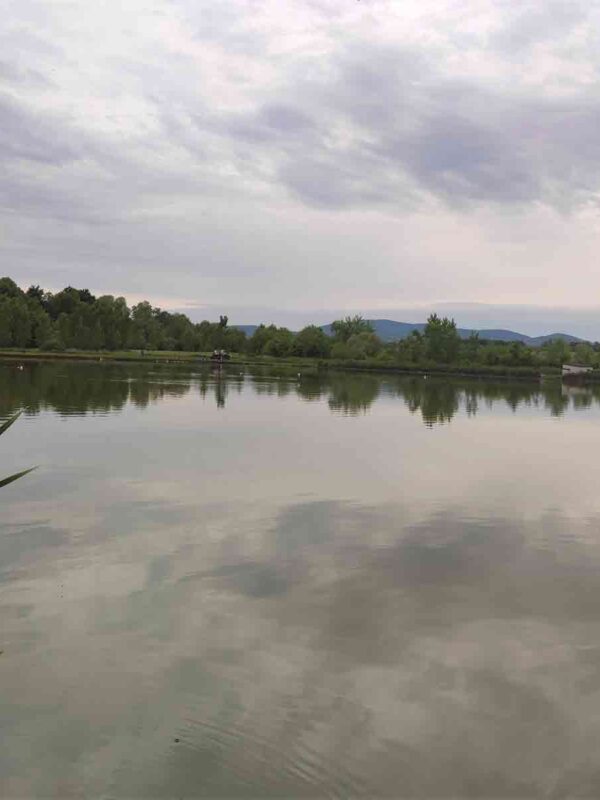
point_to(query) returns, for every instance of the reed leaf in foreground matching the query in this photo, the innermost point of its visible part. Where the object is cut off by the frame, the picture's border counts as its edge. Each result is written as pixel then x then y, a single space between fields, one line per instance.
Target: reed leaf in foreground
pixel 9 422
pixel 17 475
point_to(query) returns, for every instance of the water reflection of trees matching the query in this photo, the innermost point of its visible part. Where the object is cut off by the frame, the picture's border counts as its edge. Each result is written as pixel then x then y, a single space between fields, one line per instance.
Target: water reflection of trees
pixel 79 388
pixel 438 399
pixel 353 394
pixel 83 387
pixel 86 388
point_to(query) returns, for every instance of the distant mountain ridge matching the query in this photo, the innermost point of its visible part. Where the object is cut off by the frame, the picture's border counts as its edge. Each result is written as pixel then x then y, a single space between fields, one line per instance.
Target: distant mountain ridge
pixel 389 330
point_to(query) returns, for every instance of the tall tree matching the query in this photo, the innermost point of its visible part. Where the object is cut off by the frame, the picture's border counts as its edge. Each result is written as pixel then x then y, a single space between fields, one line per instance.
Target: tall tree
pixel 9 288
pixel 145 333
pixel 343 329
pixel 441 339
pixel 313 342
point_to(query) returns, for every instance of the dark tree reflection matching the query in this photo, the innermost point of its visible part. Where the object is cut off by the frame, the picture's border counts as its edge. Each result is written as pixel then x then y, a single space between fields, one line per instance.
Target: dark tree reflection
pixel 81 388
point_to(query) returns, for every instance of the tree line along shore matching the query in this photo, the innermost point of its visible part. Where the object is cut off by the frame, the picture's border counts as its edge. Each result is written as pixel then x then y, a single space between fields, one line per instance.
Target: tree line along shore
pixel 73 323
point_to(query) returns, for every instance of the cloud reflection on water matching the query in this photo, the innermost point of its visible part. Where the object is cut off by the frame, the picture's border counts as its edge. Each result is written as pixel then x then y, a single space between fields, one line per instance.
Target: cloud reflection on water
pixel 351 618
pixel 449 658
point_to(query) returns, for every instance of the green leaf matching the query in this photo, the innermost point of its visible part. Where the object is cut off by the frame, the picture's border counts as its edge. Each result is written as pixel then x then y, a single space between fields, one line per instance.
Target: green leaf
pixel 6 481
pixel 17 475
pixel 9 422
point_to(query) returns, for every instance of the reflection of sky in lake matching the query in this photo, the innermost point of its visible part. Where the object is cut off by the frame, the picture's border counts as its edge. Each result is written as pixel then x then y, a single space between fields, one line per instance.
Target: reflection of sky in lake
pixel 313 603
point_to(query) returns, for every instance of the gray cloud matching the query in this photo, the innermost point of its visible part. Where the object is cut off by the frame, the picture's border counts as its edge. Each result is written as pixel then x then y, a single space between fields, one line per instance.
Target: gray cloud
pixel 30 136
pixel 382 124
pixel 459 140
pixel 18 75
pixel 332 183
pixel 268 140
pixel 528 24
pixel 460 160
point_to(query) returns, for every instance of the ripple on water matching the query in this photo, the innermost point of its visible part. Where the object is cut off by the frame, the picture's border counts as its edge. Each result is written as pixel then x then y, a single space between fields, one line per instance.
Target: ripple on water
pixel 270 762
pixel 207 757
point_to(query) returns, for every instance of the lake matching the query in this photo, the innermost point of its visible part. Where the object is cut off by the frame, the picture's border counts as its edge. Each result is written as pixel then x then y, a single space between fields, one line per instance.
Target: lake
pixel 257 583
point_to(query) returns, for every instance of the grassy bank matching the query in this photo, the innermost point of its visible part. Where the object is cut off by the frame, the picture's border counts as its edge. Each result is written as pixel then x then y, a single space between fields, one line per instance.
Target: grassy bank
pixel 367 365
pixel 98 355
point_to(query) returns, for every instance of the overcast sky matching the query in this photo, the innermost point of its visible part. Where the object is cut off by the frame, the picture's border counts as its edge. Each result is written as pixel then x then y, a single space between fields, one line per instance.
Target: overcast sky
pixel 292 160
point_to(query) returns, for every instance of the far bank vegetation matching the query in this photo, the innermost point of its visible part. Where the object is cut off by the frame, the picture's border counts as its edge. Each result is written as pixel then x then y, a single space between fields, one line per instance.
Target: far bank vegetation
pixel 76 320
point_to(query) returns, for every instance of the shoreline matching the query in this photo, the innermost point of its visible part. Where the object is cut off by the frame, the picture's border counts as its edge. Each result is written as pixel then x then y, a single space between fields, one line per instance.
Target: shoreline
pixel 181 357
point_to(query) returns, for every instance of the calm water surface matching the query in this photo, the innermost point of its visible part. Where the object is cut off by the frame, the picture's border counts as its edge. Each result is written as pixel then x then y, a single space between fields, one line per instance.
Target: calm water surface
pixel 259 584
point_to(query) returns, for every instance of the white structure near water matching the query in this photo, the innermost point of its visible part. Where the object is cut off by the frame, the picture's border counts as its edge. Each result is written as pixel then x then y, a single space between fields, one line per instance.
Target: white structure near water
pixel 574 369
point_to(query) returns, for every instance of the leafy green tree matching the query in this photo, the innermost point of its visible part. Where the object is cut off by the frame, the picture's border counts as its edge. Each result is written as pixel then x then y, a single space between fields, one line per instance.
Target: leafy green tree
pixel 75 318
pixel 340 351
pixel 86 328
pixel 234 340
pixel 584 354
pixel 280 344
pixel 271 340
pixel 343 329
pixel 259 339
pixel 5 328
pixel 20 322
pixel 145 333
pixel 9 288
pixel 113 319
pixel 86 296
pixel 179 331
pixel 364 345
pixel 358 347
pixel 471 348
pixel 204 336
pixel 35 293
pixel 442 341
pixel 519 354
pixel 80 327
pixel 52 343
pixel 41 325
pixel 63 302
pixel 313 342
pixel 411 349
pixel 557 352
pixel 492 353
